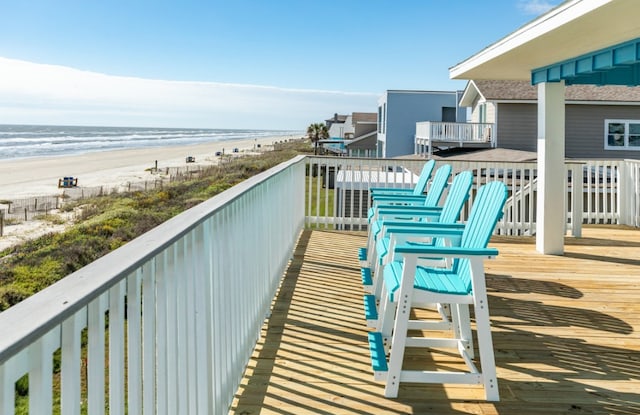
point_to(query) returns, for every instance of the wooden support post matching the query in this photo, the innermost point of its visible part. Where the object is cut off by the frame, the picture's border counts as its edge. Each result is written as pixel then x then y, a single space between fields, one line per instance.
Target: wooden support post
pixel 550 226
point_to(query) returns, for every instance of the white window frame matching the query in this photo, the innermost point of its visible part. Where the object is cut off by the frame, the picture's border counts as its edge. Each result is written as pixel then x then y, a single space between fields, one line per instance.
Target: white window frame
pixel 626 146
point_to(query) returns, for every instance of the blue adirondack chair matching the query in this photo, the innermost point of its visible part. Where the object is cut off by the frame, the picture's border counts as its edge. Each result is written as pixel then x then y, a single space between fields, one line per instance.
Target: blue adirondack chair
pixel 461 285
pixel 449 213
pixel 431 199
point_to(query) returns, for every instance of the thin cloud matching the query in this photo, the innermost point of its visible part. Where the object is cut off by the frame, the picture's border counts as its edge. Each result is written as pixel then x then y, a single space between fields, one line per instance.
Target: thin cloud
pixel 33 93
pixel 536 7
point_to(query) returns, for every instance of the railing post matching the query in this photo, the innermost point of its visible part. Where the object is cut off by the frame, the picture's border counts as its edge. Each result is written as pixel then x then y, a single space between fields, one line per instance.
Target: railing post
pixel 576 200
pixel 627 193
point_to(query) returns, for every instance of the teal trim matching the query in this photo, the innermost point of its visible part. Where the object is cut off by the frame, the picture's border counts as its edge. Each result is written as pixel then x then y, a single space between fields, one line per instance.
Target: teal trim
pixel 615 65
pixel 365 275
pixel 376 350
pixel 370 308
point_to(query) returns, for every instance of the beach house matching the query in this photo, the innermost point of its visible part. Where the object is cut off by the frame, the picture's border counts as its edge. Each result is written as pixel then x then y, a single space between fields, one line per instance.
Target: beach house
pixel 400 110
pixel 353 135
pixel 600 121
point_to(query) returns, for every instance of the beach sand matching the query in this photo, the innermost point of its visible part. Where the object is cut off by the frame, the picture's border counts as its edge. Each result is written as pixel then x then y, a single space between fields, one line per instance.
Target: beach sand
pixel 39 176
pixel 25 178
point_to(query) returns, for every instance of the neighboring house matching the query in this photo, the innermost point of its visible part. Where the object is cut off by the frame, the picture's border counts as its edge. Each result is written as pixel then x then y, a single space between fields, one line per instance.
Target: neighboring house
pixel 400 110
pixel 363 142
pixel 600 121
pixel 339 125
pixel 353 135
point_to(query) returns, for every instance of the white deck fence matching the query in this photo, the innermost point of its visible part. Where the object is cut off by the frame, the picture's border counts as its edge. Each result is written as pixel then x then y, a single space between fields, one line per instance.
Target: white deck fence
pixel 610 191
pixel 176 312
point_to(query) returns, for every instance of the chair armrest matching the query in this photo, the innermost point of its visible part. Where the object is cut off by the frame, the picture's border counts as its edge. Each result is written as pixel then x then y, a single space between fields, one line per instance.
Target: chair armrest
pixel 440 232
pixel 445 251
pixel 408 210
pixel 392 198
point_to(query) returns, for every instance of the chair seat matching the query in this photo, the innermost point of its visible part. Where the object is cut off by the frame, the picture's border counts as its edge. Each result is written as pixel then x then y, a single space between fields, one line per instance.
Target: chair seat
pixel 436 280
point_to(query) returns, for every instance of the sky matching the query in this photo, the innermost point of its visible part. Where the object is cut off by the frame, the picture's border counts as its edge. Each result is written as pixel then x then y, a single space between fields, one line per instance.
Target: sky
pixel 279 64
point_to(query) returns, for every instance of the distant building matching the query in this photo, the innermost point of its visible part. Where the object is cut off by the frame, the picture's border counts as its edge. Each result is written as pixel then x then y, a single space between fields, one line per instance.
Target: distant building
pixel 352 135
pixel 338 125
pixel 363 142
pixel 400 110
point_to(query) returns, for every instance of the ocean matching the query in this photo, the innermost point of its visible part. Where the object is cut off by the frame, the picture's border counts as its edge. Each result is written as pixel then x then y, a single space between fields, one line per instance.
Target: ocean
pixel 22 141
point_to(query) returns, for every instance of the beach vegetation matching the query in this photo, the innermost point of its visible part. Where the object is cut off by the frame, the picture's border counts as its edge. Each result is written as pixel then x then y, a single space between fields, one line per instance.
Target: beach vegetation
pixel 105 223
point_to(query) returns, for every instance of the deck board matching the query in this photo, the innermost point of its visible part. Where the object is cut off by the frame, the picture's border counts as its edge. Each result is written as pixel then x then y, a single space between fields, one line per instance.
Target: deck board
pixel 565 330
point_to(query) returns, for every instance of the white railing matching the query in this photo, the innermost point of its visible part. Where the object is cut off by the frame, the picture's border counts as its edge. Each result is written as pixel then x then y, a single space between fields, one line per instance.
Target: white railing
pixel 610 191
pixel 177 311
pixel 335 196
pixel 430 133
pixel 629 195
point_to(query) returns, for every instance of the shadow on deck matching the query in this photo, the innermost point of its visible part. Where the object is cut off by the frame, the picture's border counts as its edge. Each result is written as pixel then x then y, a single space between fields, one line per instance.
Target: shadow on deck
pixel 565 331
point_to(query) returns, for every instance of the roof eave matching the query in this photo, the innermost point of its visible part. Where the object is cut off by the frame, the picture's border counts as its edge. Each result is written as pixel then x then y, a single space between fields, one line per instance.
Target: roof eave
pixel 514 56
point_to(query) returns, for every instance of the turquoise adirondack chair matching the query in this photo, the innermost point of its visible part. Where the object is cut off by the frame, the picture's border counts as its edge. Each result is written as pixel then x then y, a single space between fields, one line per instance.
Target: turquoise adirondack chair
pixel 461 285
pixel 420 217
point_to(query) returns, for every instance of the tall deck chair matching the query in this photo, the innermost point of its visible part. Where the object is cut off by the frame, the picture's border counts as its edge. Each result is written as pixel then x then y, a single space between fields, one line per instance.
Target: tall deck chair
pixel 431 199
pixel 406 284
pixel 418 189
pixel 413 218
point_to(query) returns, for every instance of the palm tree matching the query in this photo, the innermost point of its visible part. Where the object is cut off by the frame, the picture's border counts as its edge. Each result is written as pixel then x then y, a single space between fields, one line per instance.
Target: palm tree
pixel 317 131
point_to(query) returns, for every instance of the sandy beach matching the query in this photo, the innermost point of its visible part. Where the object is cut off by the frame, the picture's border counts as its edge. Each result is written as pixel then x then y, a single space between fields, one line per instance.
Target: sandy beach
pixel 25 178
pixel 39 176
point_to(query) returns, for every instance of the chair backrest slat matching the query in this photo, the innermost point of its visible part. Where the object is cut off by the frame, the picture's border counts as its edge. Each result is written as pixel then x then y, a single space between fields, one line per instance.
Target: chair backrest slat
pixel 456 198
pixel 438 184
pixel 424 177
pixel 485 213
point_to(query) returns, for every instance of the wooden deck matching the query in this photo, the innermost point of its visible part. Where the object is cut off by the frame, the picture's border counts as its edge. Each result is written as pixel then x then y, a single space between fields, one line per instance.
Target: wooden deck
pixel 565 330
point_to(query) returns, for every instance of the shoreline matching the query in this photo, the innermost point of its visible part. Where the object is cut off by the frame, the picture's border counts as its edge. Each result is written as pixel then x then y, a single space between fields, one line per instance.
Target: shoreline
pixel 33 177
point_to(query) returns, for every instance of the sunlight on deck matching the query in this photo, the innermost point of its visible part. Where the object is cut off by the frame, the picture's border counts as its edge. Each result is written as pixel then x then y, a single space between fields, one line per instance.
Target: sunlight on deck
pixel 565 332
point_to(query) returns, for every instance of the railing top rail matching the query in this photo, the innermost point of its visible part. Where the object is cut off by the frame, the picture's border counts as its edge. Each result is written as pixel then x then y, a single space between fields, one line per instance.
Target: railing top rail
pixel 30 319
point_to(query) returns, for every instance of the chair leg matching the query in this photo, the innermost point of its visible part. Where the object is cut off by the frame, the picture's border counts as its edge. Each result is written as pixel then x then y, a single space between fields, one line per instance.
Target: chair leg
pixel 483 326
pixel 398 343
pixel 462 326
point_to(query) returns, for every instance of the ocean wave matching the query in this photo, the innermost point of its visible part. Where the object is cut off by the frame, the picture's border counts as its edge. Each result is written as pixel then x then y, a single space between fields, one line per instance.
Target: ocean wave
pixel 21 141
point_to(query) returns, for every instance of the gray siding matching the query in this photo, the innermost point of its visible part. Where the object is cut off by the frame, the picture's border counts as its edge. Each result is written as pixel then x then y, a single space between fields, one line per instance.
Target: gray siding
pixel 518 126
pixel 584 128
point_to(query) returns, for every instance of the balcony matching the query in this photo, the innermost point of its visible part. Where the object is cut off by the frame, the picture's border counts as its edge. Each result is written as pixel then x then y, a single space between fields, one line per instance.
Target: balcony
pixel 430 135
pixel 251 302
pixel 562 345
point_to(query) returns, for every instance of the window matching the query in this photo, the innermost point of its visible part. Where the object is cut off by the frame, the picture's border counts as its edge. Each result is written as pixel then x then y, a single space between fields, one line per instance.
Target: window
pixel 622 134
pixel 482 117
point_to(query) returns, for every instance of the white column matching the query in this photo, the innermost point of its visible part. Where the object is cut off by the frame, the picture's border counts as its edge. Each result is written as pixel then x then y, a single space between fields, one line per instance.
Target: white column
pixel 550 228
